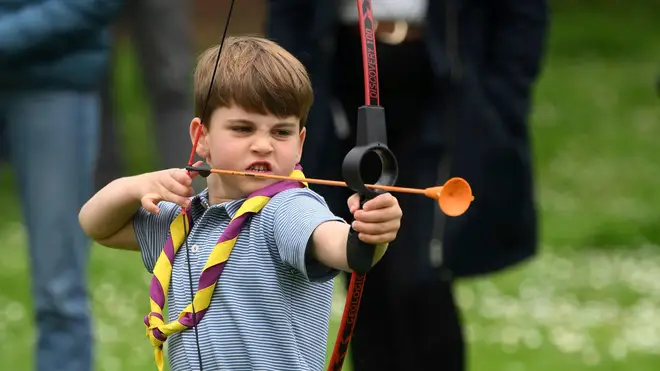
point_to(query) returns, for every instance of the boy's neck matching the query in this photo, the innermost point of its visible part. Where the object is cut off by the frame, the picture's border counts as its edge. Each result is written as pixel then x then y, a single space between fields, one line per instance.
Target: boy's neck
pixel 216 191
pixel 215 200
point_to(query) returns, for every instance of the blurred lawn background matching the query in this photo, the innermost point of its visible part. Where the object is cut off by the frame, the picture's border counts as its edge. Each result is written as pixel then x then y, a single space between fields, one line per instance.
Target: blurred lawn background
pixel 591 300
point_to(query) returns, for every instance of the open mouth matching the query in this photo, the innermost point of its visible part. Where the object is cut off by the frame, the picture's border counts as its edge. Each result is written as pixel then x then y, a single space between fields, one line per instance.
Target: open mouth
pixel 259 167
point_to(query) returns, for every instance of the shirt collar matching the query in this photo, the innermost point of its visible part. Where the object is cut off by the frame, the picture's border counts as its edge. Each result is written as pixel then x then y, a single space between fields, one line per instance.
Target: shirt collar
pixel 201 203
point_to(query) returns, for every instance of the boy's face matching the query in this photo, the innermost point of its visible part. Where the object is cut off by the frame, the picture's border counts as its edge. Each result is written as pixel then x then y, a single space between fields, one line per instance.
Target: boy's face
pixel 243 141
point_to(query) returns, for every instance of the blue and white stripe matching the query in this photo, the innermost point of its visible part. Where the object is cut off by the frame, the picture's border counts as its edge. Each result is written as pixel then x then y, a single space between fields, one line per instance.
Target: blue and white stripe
pixel 271 307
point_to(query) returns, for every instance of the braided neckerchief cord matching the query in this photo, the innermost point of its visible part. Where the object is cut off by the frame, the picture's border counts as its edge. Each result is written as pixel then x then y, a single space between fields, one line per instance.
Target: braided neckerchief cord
pixel 157 329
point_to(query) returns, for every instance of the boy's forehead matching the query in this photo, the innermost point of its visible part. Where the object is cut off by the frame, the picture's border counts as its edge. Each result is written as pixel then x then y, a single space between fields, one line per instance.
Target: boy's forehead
pixel 238 114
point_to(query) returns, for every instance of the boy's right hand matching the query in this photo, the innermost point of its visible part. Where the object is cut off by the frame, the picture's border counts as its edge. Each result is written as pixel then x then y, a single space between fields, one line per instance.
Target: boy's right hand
pixel 173 185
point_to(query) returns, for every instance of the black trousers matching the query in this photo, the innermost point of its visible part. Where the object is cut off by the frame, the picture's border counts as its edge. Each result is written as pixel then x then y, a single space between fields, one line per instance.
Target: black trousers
pixel 408 318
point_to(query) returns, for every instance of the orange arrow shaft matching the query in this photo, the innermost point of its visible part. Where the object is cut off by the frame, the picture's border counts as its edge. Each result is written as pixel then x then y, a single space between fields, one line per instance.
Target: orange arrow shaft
pixel 318 181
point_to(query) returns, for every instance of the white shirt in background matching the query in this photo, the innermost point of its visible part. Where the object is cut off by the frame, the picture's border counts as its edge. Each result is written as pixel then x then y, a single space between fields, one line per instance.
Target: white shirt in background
pixel 413 11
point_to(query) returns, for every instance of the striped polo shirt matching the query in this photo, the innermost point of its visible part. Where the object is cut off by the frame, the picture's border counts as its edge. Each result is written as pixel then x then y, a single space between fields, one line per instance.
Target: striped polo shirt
pixel 271 306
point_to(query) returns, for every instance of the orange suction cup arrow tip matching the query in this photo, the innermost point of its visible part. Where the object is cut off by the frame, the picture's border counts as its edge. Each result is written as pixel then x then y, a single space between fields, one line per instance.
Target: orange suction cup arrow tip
pixel 454 197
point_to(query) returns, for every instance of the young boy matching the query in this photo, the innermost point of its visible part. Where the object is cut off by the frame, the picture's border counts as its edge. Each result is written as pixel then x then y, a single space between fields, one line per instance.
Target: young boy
pixel 270 307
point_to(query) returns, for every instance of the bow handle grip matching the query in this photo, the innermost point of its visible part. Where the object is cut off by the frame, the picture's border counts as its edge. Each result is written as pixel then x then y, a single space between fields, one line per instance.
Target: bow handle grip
pixel 362 256
pixel 371 138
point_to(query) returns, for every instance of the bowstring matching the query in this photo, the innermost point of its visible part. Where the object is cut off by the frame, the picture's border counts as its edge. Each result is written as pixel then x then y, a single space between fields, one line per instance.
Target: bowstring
pixel 190 162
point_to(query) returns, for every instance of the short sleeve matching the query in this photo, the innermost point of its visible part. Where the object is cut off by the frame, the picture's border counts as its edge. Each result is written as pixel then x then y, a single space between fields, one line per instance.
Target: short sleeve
pixel 298 213
pixel 151 231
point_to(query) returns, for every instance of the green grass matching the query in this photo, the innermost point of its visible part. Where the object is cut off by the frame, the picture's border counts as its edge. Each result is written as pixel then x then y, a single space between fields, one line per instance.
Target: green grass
pixel 589 301
pixel 595 130
pixel 595 133
pixel 592 309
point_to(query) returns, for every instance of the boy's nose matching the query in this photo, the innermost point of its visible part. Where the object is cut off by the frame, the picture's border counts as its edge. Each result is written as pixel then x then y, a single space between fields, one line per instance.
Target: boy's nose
pixel 262 145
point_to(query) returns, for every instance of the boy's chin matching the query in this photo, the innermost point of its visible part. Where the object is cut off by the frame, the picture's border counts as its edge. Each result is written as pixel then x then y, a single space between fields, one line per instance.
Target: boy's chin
pixel 251 185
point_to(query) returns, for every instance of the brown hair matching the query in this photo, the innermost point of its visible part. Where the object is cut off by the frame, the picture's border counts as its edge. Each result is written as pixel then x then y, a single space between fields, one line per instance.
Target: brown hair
pixel 255 74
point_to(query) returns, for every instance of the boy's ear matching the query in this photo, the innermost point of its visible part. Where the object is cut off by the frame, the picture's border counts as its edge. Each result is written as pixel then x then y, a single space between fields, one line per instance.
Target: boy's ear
pixel 202 147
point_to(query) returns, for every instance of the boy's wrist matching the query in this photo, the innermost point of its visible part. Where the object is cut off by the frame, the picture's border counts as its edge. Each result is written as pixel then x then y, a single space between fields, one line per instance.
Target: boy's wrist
pixel 136 186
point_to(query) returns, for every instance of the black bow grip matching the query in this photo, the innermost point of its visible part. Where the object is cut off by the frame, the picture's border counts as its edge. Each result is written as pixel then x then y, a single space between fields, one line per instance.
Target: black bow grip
pixel 371 138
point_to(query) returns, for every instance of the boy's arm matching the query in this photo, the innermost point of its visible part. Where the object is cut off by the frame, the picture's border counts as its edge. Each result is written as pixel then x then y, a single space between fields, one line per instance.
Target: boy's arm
pixel 135 213
pixel 360 246
pixel 329 246
pixel 59 22
pixel 107 217
pixel 312 239
pixel 115 218
pixel 297 215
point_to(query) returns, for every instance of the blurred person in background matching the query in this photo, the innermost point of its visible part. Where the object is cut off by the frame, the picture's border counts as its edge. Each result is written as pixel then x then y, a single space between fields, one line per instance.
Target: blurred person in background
pixel 162 36
pixel 456 80
pixel 52 55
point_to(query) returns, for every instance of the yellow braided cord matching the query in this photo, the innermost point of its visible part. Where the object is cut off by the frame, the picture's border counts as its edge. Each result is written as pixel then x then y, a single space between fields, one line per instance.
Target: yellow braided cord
pixel 157 329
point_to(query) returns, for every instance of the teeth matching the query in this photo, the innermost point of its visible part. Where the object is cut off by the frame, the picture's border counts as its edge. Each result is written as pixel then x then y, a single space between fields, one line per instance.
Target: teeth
pixel 260 168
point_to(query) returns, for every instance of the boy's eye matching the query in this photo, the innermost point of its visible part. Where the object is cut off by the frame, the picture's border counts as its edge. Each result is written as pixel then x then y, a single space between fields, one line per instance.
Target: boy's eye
pixel 242 129
pixel 283 132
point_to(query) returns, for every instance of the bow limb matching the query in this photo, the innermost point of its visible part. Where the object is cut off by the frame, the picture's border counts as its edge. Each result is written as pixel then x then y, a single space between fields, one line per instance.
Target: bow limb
pixel 371 137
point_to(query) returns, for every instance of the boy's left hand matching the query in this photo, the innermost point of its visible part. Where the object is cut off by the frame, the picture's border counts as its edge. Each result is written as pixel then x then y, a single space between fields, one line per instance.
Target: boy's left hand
pixel 379 219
